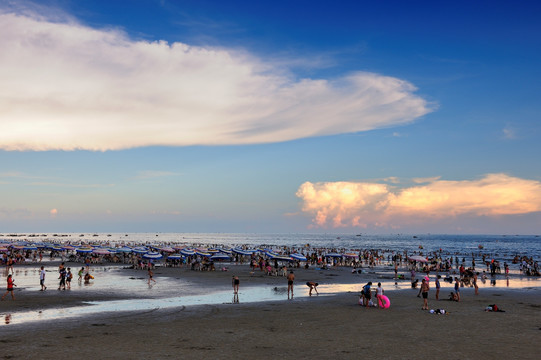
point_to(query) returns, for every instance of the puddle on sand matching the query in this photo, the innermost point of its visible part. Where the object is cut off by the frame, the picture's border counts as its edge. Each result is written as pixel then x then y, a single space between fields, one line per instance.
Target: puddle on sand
pixel 246 295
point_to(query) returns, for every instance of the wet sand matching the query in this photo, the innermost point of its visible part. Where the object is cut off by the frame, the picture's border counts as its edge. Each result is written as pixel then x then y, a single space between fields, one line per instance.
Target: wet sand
pixel 317 327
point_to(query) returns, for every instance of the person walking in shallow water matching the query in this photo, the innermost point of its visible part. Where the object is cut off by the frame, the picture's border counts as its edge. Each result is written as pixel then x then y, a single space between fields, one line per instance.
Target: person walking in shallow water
pixel 10 286
pixel 290 279
pixel 150 275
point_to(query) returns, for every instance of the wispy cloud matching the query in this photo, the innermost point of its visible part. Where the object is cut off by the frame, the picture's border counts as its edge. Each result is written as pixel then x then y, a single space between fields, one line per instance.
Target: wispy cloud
pixel 66 86
pixel 357 204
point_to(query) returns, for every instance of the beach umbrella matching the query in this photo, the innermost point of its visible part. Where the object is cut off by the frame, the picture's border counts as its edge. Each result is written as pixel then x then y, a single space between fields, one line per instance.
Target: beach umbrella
pixel 30 247
pixel 336 255
pixel 220 257
pixel 299 257
pixel 226 251
pixel 202 253
pixel 167 249
pixel 242 252
pixel 187 252
pixel 152 255
pixel 417 258
pixel 84 250
pixel 175 257
pixel 101 251
pixel 351 255
pixel 140 250
pixel 275 256
pixel 125 249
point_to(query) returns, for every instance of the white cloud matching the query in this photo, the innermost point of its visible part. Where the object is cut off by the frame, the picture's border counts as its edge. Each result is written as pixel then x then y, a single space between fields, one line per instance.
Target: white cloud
pixel 68 86
pixel 357 204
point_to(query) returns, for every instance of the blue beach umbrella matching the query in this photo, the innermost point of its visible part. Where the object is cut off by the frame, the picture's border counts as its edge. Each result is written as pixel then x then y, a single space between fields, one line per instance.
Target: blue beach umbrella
pixel 152 256
pixel 140 250
pixel 220 257
pixel 298 257
pixel 336 255
pixel 187 252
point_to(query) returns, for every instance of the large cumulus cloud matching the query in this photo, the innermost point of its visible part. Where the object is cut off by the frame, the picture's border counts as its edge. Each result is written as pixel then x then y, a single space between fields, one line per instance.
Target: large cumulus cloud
pixel 69 86
pixel 364 204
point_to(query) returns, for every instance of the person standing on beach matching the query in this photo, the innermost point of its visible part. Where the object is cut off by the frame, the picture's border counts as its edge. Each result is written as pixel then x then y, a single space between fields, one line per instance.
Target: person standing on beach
pixel 367 293
pixel 438 287
pixel 424 291
pixel 236 283
pixel 379 295
pixel 62 277
pixel 42 279
pixel 10 286
pixel 69 276
pixel 457 289
pixel 290 279
pixel 475 283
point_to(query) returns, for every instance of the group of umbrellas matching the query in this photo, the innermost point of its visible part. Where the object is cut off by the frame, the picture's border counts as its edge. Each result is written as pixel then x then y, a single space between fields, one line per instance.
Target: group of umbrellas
pixel 157 252
pixel 152 252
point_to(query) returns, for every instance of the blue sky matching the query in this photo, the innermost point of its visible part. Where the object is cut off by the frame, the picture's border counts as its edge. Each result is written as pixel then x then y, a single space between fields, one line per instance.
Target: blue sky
pixel 283 116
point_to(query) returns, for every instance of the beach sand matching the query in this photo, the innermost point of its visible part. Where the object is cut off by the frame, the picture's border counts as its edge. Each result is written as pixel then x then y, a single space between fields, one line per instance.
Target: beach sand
pixel 317 327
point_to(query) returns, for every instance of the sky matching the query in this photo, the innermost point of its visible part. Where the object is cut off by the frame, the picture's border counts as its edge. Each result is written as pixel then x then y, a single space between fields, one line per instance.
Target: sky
pixel 371 117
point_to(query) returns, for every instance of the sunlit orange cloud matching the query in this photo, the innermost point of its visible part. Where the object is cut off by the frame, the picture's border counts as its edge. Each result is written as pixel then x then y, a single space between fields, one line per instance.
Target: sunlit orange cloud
pixel 363 204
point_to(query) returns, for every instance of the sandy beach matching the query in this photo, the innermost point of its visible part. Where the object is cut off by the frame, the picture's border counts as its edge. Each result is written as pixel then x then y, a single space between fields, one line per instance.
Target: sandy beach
pixel 329 325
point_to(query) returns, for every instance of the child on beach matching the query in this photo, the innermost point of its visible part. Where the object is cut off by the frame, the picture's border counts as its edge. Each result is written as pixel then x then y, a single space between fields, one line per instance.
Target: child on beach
pixel 69 276
pixel 80 273
pixel 379 294
pixel 10 286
